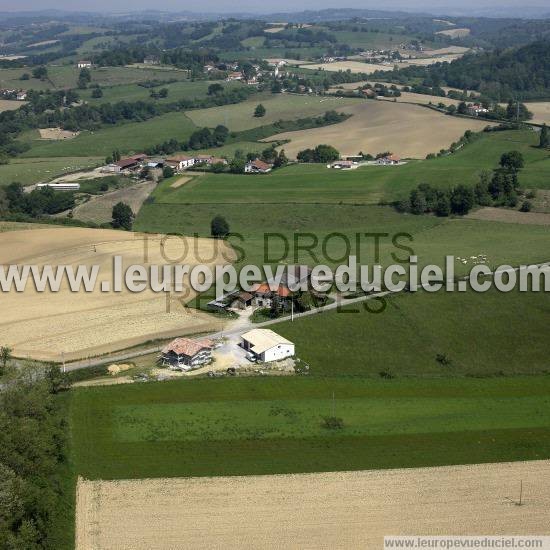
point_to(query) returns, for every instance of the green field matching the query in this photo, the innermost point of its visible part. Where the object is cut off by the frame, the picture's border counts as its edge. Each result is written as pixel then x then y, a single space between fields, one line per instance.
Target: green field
pixel 183 89
pixel 32 170
pixel 371 184
pixel 129 137
pixel 273 425
pixel 240 116
pixel 481 334
pixel 66 76
pixel 309 198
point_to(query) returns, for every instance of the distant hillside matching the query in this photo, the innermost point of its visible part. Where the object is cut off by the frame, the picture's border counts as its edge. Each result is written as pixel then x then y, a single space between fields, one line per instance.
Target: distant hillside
pixel 522 73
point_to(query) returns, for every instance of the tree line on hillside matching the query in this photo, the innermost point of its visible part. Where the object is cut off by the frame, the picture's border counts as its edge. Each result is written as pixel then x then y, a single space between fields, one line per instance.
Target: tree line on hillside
pixel 497 189
pixel 522 72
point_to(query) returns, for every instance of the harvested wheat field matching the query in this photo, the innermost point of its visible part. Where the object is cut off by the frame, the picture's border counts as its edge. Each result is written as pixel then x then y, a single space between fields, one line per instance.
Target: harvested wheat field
pixel 56 134
pixel 99 209
pixel 353 66
pixel 328 510
pixel 541 111
pixel 74 325
pixel 455 33
pixel 422 99
pixel 10 104
pixel 409 131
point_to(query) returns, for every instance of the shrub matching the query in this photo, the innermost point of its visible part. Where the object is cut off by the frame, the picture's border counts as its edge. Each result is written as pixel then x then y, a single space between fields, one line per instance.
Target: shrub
pixel 333 423
pixel 526 206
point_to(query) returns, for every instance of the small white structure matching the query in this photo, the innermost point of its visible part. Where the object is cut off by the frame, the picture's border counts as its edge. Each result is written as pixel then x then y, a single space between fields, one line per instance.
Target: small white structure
pixel 267 345
pixel 60 186
pixel 84 64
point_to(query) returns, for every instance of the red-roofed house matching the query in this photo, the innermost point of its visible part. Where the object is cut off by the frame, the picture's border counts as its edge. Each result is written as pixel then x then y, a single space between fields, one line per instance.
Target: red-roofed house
pixel 187 354
pixel 389 160
pixel 127 163
pixel 257 167
pixel 264 296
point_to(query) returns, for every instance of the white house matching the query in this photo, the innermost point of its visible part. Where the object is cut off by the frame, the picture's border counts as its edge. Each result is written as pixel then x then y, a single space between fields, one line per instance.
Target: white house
pixel 267 345
pixel 180 162
pixel 84 64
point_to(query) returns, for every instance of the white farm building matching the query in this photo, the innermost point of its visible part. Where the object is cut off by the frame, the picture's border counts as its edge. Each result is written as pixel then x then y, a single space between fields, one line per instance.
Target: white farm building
pixel 267 345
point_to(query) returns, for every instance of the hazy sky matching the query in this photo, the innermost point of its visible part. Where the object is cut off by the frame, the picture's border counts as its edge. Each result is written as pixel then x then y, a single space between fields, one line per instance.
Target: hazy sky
pixel 437 6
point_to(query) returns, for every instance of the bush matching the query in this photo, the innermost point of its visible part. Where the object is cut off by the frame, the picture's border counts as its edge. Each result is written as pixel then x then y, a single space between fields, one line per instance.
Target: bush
pixel 333 423
pixel 219 228
pixel 526 206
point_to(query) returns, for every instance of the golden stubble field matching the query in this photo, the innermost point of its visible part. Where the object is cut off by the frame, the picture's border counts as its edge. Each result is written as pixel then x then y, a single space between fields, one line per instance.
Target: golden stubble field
pixel 74 325
pixel 327 510
pixel 409 131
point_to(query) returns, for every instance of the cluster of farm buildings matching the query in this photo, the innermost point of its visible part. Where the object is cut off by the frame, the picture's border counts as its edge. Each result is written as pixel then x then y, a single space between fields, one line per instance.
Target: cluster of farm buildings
pixel 17 94
pixel 259 345
pixel 180 163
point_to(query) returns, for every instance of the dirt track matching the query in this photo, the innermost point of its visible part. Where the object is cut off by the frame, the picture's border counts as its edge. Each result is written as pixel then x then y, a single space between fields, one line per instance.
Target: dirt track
pixel 73 325
pixel 328 510
pixel 409 131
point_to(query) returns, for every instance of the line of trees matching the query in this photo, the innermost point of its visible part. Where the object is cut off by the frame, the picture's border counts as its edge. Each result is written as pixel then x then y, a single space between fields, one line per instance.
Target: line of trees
pixel 37 203
pixel 321 154
pixel 203 138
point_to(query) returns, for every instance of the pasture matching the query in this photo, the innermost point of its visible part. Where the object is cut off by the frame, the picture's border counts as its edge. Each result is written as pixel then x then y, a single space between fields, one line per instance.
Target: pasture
pixel 337 510
pixel 240 116
pixel 67 325
pixel 183 89
pixel 409 131
pixel 34 170
pixel 276 425
pixel 480 334
pixel 127 138
pixel 66 76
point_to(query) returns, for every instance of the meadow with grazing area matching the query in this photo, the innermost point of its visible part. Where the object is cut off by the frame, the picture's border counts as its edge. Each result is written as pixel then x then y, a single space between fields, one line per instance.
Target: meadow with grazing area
pixel 479 334
pixel 313 199
pixel 276 423
pixel 409 131
pixel 337 510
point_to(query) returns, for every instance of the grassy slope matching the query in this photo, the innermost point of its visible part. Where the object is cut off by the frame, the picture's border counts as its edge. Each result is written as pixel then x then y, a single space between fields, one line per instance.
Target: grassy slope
pixel 132 136
pixel 66 76
pixel 33 170
pixel 109 445
pixel 313 199
pixel 240 116
pixel 134 92
pixel 481 334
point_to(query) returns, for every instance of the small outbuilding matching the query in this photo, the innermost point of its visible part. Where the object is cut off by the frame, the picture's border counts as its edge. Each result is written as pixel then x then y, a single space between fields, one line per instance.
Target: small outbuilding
pixel 266 345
